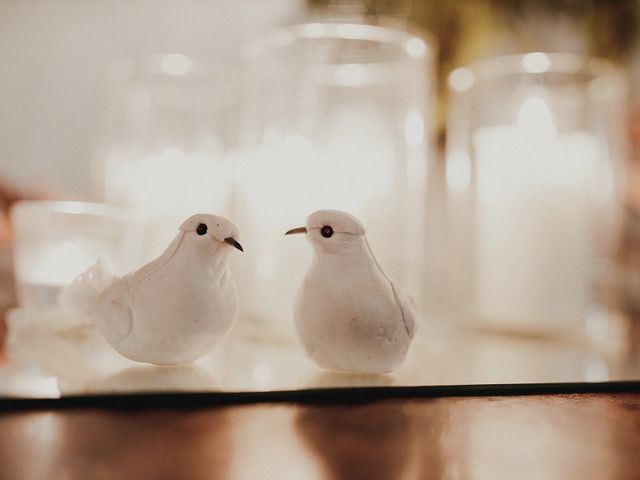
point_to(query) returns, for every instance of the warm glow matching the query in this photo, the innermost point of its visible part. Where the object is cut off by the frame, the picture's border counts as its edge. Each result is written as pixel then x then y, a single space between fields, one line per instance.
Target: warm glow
pixel 458 171
pixel 461 79
pixel 536 62
pixel 282 38
pixel 351 75
pixel 596 370
pixel 597 325
pixel 36 385
pixel 533 217
pixel 414 128
pixel 176 64
pixel 262 374
pixel 602 89
pixel 416 48
pixel 535 122
pixel 168 186
pixel 313 30
pixel 347 163
pixel 352 32
pixel 57 264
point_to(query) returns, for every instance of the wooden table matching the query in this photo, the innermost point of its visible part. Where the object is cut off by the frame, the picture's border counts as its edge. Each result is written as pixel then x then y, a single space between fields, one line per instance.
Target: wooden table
pixel 559 436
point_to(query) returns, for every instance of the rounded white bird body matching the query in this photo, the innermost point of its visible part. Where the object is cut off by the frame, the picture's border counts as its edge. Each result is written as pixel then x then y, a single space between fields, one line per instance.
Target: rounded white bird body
pixel 349 315
pixel 175 308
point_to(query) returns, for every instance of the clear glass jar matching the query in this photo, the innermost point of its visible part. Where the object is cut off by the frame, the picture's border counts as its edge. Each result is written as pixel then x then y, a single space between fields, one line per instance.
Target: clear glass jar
pixel 171 121
pixel 535 154
pixel 337 117
pixel 57 241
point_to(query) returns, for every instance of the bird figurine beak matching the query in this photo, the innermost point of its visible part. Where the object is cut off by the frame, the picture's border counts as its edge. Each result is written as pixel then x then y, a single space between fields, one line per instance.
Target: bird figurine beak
pixel 234 243
pixel 296 230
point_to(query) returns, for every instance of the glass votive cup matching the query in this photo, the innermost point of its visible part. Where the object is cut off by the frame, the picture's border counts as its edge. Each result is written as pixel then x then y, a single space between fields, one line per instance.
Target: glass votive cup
pixel 337 116
pixel 56 241
pixel 534 170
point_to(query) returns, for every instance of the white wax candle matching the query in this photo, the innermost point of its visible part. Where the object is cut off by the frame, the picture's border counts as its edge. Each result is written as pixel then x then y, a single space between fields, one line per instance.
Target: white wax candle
pixel 534 248
pixel 351 165
pixel 165 188
pixel 55 264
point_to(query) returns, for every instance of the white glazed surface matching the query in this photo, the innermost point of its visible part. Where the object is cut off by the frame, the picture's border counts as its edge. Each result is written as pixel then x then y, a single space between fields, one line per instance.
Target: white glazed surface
pixel 350 317
pixel 175 308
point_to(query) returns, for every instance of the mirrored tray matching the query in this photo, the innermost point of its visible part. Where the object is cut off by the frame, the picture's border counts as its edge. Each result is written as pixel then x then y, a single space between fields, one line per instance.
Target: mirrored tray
pixel 50 357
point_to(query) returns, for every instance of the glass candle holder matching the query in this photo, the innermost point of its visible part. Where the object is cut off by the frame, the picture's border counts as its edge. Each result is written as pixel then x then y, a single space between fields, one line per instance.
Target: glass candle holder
pixel 535 152
pixel 56 241
pixel 336 118
pixel 171 121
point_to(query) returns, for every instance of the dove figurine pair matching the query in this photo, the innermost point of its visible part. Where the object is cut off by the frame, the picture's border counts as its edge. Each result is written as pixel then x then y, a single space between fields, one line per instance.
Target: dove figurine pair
pixel 349 316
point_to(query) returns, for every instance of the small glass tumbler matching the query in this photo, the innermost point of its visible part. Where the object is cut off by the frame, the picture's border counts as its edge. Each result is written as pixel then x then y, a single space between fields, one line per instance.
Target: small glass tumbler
pixel 336 117
pixel 56 241
pixel 535 154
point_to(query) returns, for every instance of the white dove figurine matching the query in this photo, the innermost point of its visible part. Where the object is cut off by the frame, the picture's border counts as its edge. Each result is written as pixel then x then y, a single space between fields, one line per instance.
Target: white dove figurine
pixel 349 316
pixel 173 309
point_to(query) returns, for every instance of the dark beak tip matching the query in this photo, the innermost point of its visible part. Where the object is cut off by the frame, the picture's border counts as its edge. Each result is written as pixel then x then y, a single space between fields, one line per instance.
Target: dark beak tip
pixel 293 231
pixel 234 243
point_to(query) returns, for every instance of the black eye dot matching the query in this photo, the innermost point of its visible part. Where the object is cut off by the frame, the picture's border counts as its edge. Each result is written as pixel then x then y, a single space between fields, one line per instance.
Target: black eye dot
pixel 326 231
pixel 202 229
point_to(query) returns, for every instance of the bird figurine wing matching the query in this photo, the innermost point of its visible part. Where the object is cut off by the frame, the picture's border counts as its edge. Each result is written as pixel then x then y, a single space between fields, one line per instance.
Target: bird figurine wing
pixel 100 298
pixel 113 314
pixel 408 307
pixel 405 301
pixel 83 294
pixel 173 309
pixel 156 264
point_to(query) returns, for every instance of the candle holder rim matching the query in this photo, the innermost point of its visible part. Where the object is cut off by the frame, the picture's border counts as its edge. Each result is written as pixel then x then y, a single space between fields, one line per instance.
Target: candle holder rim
pixel 284 36
pixel 150 66
pixel 412 51
pixel 68 207
pixel 491 68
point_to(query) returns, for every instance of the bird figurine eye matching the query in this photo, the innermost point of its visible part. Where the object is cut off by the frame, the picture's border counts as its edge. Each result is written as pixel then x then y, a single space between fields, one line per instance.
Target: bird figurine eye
pixel 326 231
pixel 202 229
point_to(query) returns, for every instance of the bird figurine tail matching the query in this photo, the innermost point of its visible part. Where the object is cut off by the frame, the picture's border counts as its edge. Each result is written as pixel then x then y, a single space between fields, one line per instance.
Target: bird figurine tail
pixel 82 295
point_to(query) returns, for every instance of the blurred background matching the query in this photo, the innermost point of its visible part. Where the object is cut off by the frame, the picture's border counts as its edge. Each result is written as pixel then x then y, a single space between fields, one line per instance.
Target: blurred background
pixel 58 54
pixel 162 107
pixel 58 59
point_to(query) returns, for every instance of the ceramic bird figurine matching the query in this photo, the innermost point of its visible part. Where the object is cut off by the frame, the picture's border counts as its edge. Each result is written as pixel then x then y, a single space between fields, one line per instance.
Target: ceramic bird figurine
pixel 174 309
pixel 349 316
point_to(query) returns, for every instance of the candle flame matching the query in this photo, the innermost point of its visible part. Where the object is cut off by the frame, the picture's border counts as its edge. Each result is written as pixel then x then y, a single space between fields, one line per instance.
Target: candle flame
pixel 535 122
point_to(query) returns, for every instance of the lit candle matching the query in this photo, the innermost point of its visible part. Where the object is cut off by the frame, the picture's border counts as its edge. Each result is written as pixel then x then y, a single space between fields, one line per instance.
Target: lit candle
pixel 56 241
pixel 534 246
pixel 289 177
pixel 171 124
pixel 335 119
pixel 166 187
pixel 57 264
